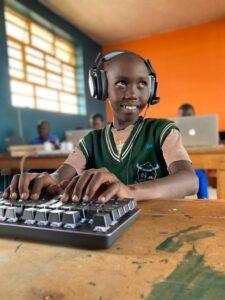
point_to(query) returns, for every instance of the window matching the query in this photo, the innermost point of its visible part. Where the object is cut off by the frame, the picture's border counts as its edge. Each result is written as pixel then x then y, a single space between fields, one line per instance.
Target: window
pixel 41 66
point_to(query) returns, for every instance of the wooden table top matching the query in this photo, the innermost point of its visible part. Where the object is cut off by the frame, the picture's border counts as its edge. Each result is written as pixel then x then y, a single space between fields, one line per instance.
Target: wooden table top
pixel 209 158
pixel 175 250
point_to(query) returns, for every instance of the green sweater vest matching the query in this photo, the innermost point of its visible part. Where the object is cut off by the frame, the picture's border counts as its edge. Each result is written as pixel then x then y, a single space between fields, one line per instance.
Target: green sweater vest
pixel 141 158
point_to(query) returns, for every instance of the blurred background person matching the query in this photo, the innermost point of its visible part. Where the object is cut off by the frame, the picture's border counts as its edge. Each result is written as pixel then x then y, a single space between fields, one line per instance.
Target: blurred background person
pixel 44 135
pixel 96 121
pixel 187 110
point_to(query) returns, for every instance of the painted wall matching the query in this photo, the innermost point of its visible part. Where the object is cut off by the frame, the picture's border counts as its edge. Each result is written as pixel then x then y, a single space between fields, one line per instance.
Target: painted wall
pixel 190 64
pixel 59 122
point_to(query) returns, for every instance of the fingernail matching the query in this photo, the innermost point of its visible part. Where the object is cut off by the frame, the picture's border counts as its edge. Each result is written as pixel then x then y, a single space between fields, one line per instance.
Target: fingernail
pixel 85 198
pixel 14 195
pixel 75 198
pixel 102 199
pixel 64 197
pixel 24 195
pixel 34 196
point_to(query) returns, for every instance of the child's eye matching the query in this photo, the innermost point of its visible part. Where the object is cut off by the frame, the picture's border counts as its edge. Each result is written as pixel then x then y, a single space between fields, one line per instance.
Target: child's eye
pixel 121 83
pixel 142 84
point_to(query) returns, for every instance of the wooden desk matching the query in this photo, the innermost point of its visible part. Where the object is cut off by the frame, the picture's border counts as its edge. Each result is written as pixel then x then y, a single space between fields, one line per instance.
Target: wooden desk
pixel 40 162
pixel 213 159
pixel 175 250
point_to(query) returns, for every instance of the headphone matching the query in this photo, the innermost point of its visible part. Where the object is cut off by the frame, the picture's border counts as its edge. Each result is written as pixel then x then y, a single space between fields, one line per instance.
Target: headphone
pixel 98 84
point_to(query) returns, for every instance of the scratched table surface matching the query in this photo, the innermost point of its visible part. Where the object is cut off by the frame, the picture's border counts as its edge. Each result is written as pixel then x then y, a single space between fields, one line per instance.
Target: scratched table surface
pixel 174 250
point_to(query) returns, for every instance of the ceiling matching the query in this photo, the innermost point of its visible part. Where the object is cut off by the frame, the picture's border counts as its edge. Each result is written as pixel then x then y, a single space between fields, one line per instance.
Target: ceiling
pixel 112 21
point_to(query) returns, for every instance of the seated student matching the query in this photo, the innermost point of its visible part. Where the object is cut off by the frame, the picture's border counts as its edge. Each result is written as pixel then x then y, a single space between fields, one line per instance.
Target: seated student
pixel 133 157
pixel 187 110
pixel 43 128
pixel 96 121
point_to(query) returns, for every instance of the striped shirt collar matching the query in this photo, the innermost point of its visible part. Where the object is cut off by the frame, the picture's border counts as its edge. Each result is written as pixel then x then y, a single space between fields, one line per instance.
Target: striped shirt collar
pixel 127 145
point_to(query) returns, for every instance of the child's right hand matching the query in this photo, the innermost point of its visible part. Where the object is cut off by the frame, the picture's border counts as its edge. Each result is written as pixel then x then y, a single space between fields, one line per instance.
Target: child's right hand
pixel 30 185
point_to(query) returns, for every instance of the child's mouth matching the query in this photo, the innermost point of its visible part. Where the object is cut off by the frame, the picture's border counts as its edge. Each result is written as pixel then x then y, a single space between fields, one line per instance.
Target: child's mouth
pixel 130 108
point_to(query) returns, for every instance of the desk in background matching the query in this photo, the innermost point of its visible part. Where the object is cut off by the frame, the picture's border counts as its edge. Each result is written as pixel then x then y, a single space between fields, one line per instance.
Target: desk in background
pixel 212 159
pixel 175 250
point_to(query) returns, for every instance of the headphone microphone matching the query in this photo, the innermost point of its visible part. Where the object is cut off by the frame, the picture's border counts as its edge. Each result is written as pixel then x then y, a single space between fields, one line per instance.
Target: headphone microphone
pixel 98 84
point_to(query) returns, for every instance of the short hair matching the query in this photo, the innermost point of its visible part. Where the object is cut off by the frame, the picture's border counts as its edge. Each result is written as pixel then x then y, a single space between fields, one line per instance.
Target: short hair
pixel 97 116
pixel 186 106
pixel 41 122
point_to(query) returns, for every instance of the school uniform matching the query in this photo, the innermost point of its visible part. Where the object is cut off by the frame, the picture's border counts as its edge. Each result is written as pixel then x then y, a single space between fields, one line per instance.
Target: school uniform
pixel 140 152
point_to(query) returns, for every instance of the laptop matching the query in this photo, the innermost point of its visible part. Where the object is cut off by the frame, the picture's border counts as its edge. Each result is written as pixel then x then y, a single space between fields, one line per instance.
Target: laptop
pixel 74 136
pixel 199 131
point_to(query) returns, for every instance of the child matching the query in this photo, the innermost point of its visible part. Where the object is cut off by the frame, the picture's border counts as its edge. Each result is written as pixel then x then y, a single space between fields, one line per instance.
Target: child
pixel 132 157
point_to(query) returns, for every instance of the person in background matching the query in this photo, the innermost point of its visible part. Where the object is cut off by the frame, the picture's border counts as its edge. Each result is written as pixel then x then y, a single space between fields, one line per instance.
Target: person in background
pixel 43 128
pixel 96 121
pixel 187 110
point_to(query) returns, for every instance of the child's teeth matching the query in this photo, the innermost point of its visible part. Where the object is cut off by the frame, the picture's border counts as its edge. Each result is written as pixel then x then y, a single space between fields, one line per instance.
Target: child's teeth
pixel 130 107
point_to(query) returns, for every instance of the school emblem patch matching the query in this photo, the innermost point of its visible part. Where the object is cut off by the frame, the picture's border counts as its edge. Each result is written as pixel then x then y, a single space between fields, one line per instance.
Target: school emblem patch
pixel 146 172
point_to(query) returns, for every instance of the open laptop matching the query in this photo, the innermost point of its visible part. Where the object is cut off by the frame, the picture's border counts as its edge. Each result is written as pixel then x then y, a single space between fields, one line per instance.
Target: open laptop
pixel 198 131
pixel 74 136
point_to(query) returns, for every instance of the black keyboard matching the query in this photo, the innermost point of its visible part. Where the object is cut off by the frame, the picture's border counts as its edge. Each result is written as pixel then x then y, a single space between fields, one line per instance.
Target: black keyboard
pixel 85 225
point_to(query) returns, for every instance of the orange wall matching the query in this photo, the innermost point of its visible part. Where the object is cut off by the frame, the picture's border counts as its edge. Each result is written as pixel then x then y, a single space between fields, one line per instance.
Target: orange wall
pixel 190 64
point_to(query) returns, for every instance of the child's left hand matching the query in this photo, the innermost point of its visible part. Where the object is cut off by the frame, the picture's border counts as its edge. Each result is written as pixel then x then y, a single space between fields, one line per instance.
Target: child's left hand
pixel 96 183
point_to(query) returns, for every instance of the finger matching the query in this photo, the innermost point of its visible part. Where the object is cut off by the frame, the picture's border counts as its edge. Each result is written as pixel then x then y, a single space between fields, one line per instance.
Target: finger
pixel 14 193
pixel 79 191
pixel 6 193
pixel 24 182
pixel 53 190
pixel 69 189
pixel 38 184
pixel 64 183
pixel 111 191
pixel 98 180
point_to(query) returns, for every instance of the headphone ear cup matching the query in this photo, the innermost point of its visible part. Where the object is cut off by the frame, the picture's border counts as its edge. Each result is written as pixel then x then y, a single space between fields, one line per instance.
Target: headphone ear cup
pixel 152 90
pixel 92 81
pixel 104 85
pixel 99 85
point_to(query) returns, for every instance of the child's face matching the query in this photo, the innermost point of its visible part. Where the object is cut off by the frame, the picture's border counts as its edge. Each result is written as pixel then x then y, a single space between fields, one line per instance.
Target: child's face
pixel 128 87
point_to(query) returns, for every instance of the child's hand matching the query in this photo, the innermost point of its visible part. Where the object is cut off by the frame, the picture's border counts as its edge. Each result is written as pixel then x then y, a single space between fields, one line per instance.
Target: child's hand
pixel 96 183
pixel 30 185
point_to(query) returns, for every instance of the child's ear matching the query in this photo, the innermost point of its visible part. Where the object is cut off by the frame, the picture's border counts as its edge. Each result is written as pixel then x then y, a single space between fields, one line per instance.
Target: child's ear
pixel 108 103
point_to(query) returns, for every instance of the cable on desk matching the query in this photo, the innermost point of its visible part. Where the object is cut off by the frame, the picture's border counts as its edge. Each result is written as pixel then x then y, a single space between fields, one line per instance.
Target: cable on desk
pixel 23 159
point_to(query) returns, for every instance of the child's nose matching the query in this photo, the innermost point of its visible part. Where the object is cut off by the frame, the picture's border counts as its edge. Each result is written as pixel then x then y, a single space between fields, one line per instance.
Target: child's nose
pixel 131 92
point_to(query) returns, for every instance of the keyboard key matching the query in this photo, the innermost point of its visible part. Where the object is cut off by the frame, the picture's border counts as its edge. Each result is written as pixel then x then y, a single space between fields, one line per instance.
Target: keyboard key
pixel 2 211
pixel 81 207
pixel 91 211
pixel 102 220
pixel 125 207
pixel 29 214
pixel 55 216
pixel 42 214
pixel 47 204
pixel 13 212
pixel 120 211
pixel 113 213
pixel 71 218
pixel 132 204
pixel 56 205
